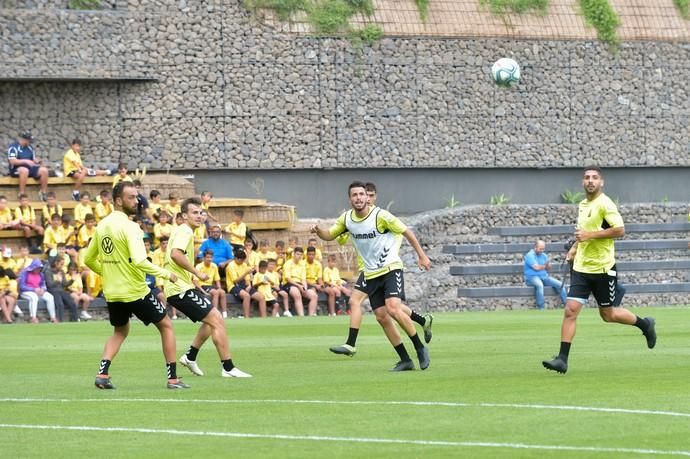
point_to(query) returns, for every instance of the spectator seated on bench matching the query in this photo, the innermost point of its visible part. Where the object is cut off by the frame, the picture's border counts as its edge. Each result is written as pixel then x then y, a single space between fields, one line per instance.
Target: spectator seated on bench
pixel 24 164
pixel 536 271
pixel 74 168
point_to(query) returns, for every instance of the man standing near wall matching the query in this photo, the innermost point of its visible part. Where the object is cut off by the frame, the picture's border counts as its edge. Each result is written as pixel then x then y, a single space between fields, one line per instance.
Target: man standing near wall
pixel 536 268
pixel 594 269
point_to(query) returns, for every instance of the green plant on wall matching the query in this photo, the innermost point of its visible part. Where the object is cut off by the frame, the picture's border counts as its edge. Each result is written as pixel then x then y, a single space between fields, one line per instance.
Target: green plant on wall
pixel 499 199
pixel 452 202
pixel 325 16
pixel 502 7
pixel 683 8
pixel 84 4
pixel 423 7
pixel 572 197
pixel 600 15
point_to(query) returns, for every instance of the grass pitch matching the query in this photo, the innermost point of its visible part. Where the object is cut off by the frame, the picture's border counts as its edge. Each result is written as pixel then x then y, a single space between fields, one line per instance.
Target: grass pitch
pixel 485 394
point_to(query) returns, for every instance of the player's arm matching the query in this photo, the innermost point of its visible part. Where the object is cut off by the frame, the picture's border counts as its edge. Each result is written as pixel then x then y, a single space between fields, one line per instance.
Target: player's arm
pixel 137 253
pixel 91 257
pixel 422 260
pixel 333 232
pixel 531 261
pixel 181 260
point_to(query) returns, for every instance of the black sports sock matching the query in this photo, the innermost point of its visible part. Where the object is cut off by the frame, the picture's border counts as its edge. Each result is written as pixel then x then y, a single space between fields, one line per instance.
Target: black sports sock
pixel 192 353
pixel 642 324
pixel 227 364
pixel 416 341
pixel 565 350
pixel 104 367
pixel 352 337
pixel 402 352
pixel 417 318
pixel 172 370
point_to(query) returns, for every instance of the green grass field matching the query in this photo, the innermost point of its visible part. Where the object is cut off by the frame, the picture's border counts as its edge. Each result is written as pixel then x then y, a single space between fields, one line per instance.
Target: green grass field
pixel 487 393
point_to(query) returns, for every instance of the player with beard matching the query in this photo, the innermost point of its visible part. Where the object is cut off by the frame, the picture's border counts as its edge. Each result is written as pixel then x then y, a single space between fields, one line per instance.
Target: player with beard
pixel 117 254
pixel 594 268
pixel 374 233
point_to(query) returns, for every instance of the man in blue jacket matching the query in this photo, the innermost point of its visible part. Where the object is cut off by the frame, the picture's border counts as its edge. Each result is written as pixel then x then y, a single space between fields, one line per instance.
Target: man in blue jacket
pixel 536 270
pixel 23 164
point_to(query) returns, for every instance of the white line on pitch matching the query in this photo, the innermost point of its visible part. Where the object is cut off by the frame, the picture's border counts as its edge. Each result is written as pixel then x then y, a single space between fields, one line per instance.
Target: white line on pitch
pixel 316 438
pixel 355 402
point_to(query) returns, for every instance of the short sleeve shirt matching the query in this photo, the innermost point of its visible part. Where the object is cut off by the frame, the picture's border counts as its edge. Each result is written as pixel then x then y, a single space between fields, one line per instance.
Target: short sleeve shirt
pixel 597 255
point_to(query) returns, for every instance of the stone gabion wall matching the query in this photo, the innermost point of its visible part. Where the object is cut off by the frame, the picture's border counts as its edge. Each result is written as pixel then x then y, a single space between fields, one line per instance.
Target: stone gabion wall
pixel 229 92
pixel 437 290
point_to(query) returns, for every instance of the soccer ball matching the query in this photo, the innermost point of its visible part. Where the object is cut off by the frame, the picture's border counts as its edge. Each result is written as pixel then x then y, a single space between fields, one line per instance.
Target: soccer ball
pixel 506 72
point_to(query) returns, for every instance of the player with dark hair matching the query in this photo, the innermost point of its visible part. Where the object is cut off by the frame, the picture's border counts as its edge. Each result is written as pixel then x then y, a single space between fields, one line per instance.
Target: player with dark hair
pixel 117 254
pixel 594 268
pixel 374 233
pixel 358 297
pixel 194 303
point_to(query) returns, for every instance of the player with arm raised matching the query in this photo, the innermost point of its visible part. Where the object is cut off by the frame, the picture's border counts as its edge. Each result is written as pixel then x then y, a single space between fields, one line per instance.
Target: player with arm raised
pixel 373 232
pixel 358 297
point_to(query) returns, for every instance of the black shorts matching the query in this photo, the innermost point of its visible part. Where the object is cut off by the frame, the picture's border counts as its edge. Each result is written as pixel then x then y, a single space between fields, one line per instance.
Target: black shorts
pixel 361 283
pixel 389 285
pixel 148 310
pixel 33 171
pixel 208 288
pixel 71 174
pixel 193 303
pixel 602 285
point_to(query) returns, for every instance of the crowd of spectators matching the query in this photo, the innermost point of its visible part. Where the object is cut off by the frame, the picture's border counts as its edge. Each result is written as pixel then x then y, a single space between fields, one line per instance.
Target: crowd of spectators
pixel 50 267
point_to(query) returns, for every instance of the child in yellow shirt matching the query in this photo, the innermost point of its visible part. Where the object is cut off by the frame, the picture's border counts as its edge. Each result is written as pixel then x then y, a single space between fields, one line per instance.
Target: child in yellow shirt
pixel 313 243
pixel 334 286
pixel 87 231
pixel 53 234
pixel 83 208
pixel 105 207
pixel 77 293
pixel 162 228
pixel 121 175
pixel 69 233
pixel 155 205
pixel 212 284
pixel 51 207
pixel 237 230
pixel 265 252
pixel 262 282
pixel 173 206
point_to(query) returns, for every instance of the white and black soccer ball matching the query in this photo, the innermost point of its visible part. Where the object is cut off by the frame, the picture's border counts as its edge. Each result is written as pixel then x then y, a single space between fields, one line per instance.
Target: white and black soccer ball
pixel 506 72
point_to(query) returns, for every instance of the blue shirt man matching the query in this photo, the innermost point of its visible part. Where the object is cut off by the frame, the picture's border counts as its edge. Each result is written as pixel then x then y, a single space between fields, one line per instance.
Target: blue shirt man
pixel 222 250
pixel 535 268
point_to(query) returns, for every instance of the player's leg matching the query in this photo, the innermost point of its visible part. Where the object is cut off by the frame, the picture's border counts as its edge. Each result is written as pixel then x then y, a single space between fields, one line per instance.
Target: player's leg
pixel 605 291
pixel 358 296
pixel 580 289
pixel 220 339
pixel 391 331
pixel 151 311
pixel 119 318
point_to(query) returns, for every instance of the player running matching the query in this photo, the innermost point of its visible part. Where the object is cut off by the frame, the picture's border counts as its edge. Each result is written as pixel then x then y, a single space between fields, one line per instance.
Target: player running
pixel 373 232
pixel 117 254
pixel 193 302
pixel 594 269
pixel 358 297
